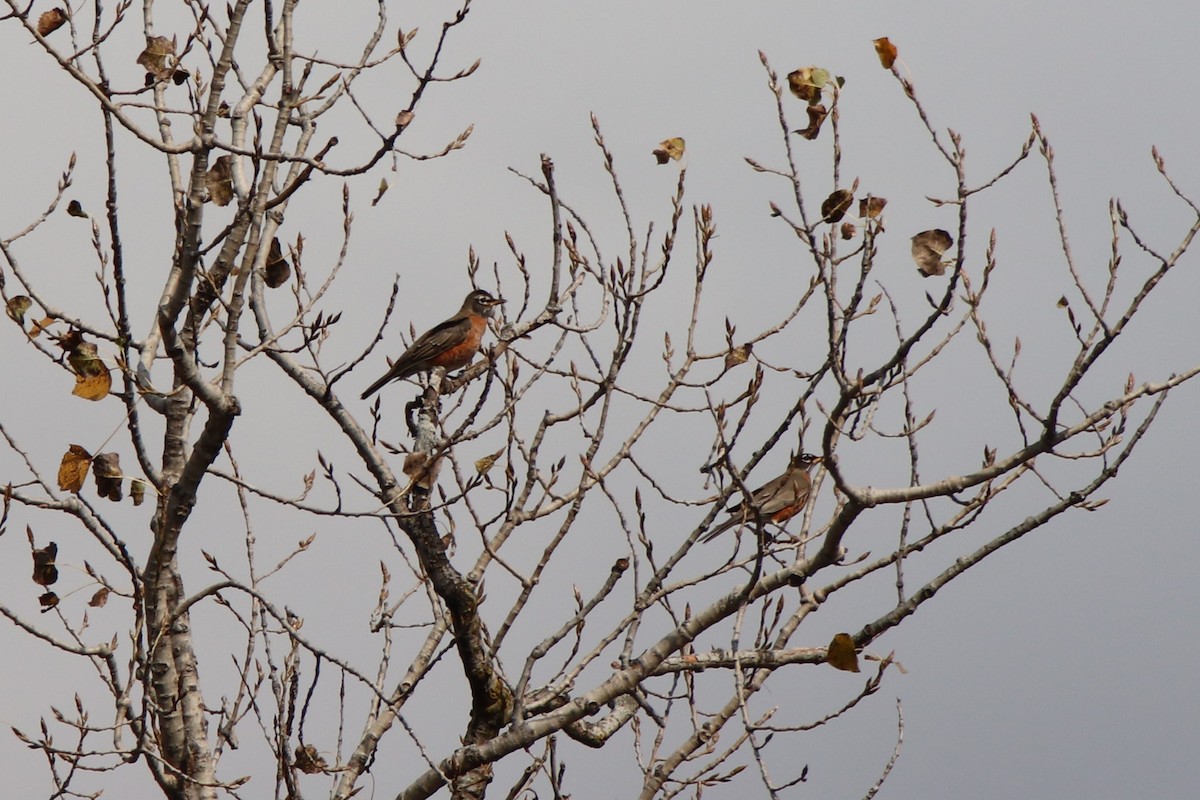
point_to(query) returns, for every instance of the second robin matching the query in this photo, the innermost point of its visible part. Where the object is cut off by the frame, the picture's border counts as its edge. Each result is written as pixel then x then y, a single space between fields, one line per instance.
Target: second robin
pixel 450 345
pixel 778 500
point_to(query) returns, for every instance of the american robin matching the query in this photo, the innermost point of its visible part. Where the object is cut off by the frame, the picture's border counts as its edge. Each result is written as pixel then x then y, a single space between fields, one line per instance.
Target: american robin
pixel 450 345
pixel 778 500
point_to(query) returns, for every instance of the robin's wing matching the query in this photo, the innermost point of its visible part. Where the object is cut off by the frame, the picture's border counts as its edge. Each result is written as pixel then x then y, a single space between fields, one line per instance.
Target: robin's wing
pixel 780 493
pixel 436 340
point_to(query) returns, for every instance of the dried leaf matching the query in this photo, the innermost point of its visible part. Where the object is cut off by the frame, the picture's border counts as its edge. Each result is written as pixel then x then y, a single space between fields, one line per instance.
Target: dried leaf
pixel 48 601
pixel 107 472
pixel 45 573
pixel 278 269
pixel 137 491
pixel 886 51
pixel 871 207
pixel 51 21
pixel 383 187
pixel 404 119
pixel 927 249
pixel 158 59
pixel 100 598
pixel 834 207
pixel 36 328
pixel 93 387
pixel 219 181
pixel 807 82
pixel 669 149
pixel 487 462
pixel 816 115
pixel 73 469
pixel 76 210
pixel 841 653
pixel 848 230
pixel 16 308
pixel 309 761
pixel 738 355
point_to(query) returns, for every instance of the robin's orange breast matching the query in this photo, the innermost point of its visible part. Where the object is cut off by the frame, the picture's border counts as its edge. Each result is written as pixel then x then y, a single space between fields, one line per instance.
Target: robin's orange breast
pixel 459 353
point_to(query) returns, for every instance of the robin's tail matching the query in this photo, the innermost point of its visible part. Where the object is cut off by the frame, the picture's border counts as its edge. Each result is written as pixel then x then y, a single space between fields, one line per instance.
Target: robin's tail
pixel 377 385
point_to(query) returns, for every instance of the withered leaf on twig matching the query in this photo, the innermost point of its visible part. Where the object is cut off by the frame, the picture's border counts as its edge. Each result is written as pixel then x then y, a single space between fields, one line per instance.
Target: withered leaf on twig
pixel 669 149
pixel 816 115
pixel 841 654
pixel 886 51
pixel 100 598
pixel 73 469
pixel 834 207
pixel 738 355
pixel 76 210
pixel 278 269
pixel 871 207
pixel 107 473
pixel 51 21
pixel 137 491
pixel 927 249
pixel 45 573
pixel 309 761
pixel 158 59
pixel 92 378
pixel 807 83
pixel 16 308
pixel 219 181
pixel 848 230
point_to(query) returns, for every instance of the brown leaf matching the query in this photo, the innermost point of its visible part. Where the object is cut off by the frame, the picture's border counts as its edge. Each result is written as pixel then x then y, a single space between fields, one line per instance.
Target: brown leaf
pixel 108 476
pixel 48 601
pixel 807 83
pixel 158 59
pixel 738 355
pixel 100 598
pixel 278 269
pixel 219 181
pixel 16 308
pixel 36 328
pixel 816 115
pixel 137 491
pixel 51 21
pixel 848 230
pixel 45 573
pixel 404 119
pixel 871 207
pixel 383 187
pixel 92 378
pixel 73 469
pixel 841 653
pixel 483 465
pixel 886 51
pixel 834 207
pixel 927 249
pixel 669 149
pixel 76 210
pixel 309 761
pixel 93 387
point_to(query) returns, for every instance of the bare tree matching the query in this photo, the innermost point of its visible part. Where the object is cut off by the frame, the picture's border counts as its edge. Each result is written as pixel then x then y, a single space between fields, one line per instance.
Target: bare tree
pixel 565 430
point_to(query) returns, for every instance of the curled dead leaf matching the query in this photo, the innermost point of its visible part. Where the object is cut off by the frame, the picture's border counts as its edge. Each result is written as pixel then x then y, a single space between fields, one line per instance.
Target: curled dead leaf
pixel 816 115
pixel 158 59
pixel 848 230
pixel 807 83
pixel 483 465
pixel 93 387
pixel 871 207
pixel 309 761
pixel 669 149
pixel 886 51
pixel 137 491
pixel 48 601
pixel 45 573
pixel 219 181
pixel 100 598
pixel 278 269
pixel 73 469
pixel 50 21
pixel 107 473
pixel 738 355
pixel 927 249
pixel 16 308
pixel 76 210
pixel 834 207
pixel 841 653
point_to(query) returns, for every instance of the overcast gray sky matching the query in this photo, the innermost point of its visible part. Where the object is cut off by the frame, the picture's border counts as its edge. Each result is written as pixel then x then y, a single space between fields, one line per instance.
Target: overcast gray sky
pixel 1061 667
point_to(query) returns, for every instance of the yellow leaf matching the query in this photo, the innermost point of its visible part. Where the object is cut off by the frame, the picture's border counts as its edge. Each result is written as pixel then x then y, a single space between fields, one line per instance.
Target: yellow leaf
pixel 73 469
pixel 669 149
pixel 93 387
pixel 886 51
pixel 17 306
pixel 841 654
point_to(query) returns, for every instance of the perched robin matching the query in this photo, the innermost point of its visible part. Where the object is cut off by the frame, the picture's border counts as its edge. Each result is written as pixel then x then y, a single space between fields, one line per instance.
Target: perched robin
pixel 777 501
pixel 450 345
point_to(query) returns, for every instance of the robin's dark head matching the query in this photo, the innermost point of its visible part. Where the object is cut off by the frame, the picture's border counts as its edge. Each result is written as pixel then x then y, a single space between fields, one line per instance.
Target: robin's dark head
pixel 480 302
pixel 806 460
